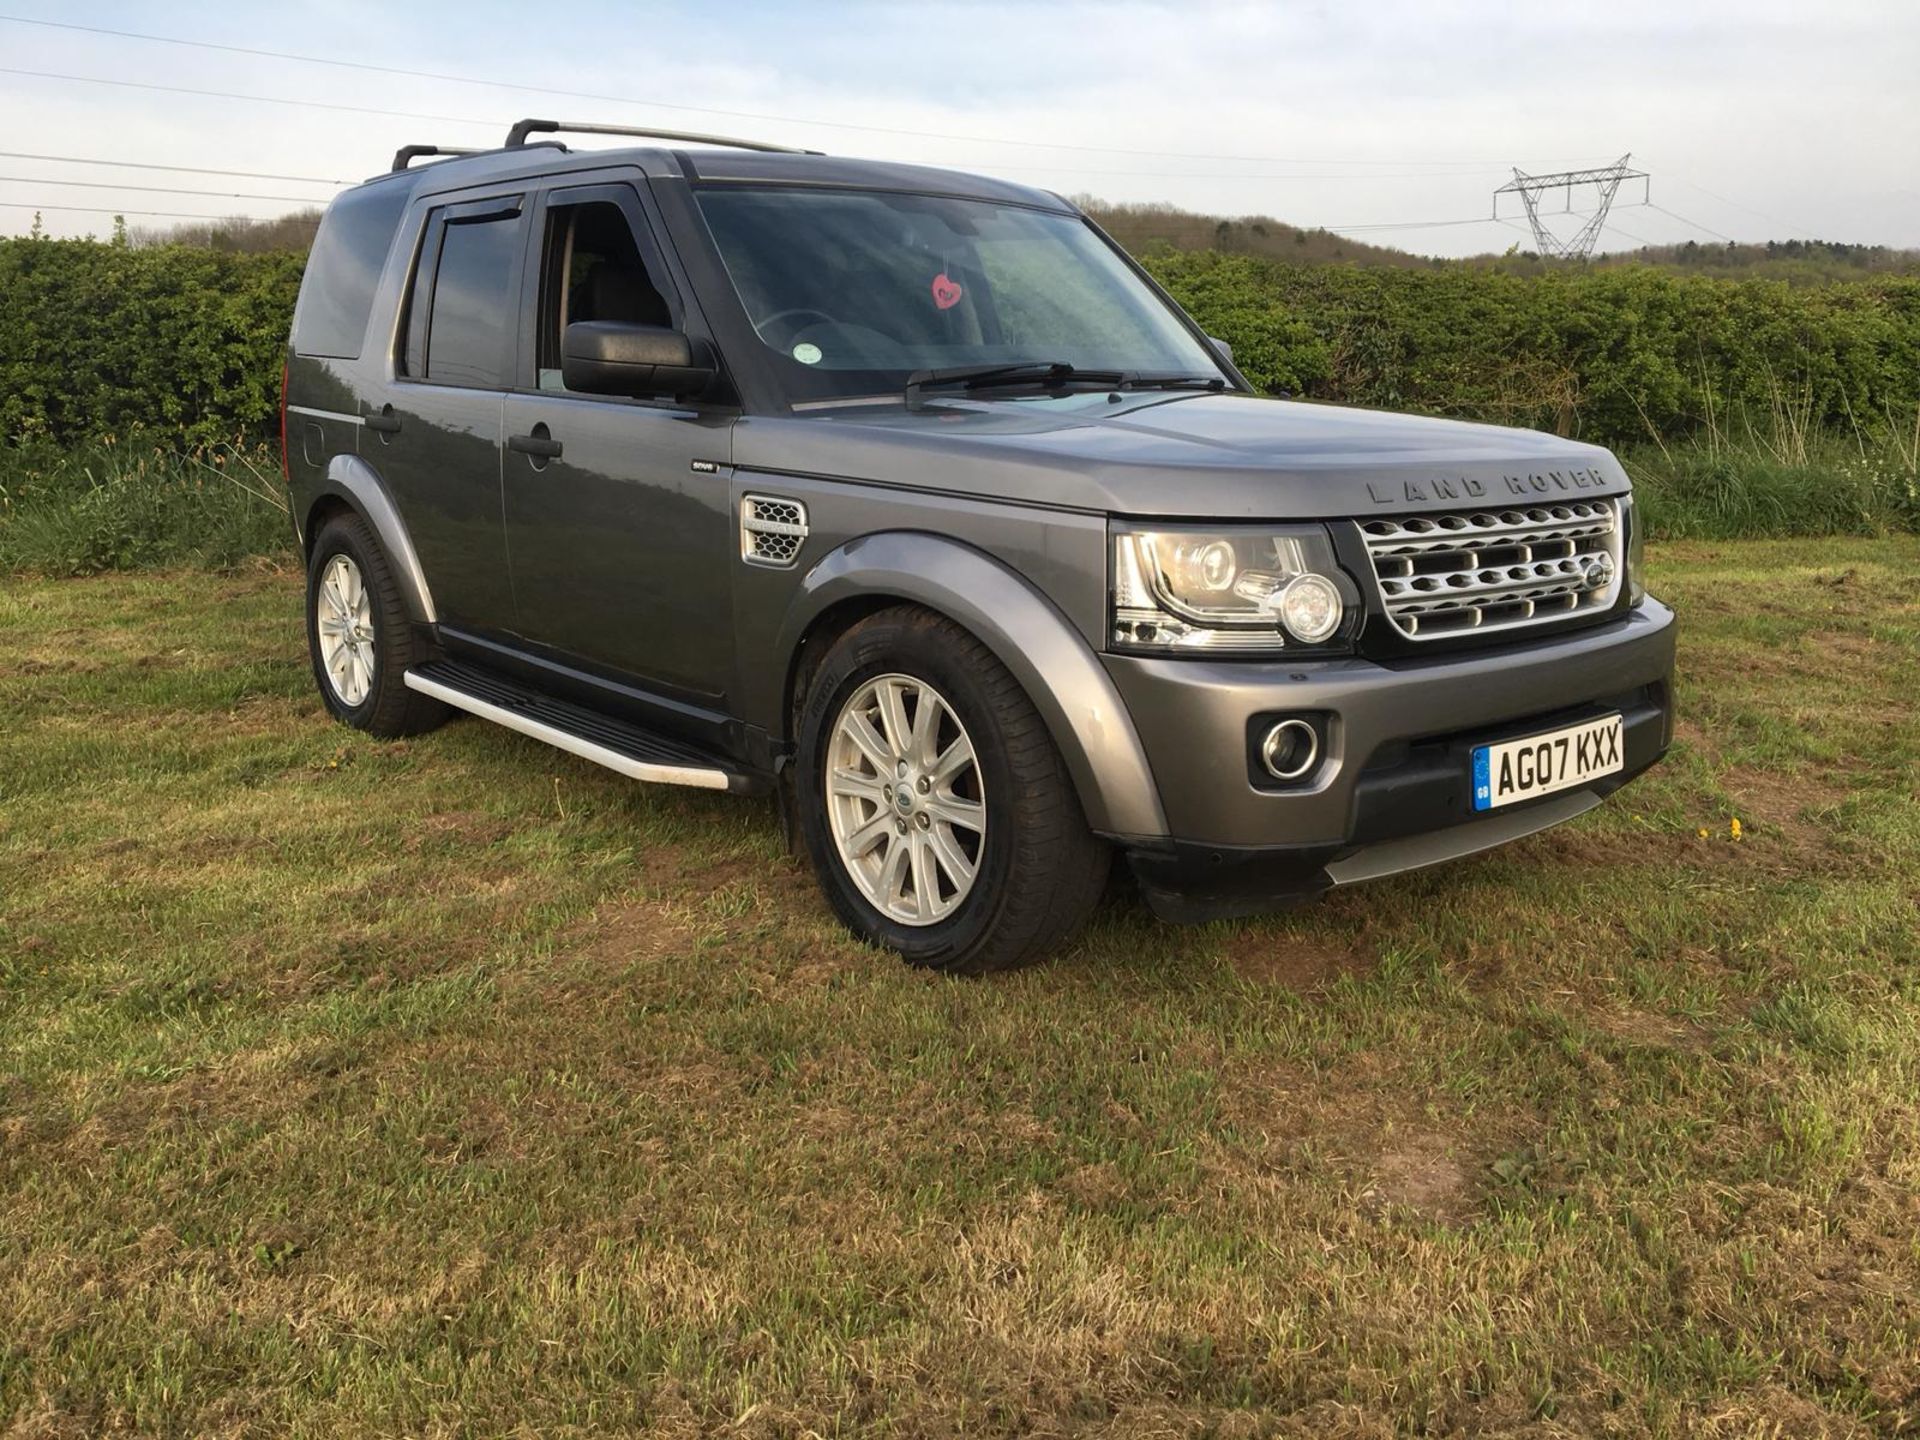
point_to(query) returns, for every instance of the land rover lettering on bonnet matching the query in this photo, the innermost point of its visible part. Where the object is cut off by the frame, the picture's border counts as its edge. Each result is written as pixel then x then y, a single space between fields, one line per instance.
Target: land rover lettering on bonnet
pixel 906 498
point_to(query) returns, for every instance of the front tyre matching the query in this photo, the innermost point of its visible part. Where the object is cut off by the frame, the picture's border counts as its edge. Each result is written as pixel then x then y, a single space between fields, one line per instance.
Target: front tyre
pixel 939 816
pixel 360 636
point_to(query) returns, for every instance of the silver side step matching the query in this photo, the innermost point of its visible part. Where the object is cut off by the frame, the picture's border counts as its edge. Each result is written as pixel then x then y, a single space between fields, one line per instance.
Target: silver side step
pixel 1416 852
pixel 670 769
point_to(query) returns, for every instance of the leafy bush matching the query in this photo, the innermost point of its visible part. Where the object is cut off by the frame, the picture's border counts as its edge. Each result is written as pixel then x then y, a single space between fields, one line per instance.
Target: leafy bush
pixel 114 506
pixel 99 339
pixel 1615 356
pixel 1743 406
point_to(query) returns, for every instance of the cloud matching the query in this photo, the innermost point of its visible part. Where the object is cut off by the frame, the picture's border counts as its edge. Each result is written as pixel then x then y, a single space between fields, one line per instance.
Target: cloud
pixel 1341 113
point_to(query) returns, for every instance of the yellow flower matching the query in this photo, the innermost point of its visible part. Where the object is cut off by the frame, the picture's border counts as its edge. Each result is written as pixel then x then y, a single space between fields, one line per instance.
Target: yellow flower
pixel 1734 829
pixel 1703 832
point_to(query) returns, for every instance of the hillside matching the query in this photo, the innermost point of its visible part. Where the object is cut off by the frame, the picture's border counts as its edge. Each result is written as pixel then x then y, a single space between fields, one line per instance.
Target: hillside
pixel 1141 228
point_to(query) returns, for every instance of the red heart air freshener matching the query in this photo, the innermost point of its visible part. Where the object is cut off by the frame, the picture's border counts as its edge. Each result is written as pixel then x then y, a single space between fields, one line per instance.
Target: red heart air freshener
pixel 946 293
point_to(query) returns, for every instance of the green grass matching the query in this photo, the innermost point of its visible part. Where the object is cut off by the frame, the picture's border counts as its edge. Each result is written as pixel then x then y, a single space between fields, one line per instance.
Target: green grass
pixel 454 1086
pixel 1787 482
pixel 123 505
pixel 131 504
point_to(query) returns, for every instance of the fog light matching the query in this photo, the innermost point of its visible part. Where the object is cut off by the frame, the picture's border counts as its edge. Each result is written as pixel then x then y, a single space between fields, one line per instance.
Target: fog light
pixel 1310 608
pixel 1291 749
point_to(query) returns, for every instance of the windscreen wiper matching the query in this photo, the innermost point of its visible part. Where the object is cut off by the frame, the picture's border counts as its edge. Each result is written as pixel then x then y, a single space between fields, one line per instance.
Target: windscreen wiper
pixel 1174 382
pixel 1018 372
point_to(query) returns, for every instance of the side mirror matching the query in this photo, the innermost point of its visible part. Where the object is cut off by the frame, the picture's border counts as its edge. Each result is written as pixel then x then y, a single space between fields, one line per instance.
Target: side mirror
pixel 1222 346
pixel 607 357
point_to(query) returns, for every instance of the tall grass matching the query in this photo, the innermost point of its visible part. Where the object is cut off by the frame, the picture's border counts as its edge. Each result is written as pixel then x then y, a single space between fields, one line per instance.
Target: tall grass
pixel 127 504
pixel 1779 475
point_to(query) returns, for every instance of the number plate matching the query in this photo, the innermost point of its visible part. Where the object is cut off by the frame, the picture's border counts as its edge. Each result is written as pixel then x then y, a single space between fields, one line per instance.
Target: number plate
pixel 1541 764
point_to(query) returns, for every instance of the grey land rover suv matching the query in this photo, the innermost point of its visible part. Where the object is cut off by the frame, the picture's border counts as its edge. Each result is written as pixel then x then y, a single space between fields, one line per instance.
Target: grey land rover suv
pixel 908 497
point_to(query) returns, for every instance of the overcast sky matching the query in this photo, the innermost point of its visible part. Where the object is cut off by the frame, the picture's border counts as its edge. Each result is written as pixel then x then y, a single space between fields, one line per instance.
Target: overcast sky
pixel 1759 119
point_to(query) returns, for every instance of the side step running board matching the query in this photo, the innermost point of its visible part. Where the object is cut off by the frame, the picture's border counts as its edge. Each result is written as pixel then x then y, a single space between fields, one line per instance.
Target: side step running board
pixel 635 752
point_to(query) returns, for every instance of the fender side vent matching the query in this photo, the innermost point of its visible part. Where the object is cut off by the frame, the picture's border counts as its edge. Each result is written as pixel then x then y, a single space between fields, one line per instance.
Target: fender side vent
pixel 771 530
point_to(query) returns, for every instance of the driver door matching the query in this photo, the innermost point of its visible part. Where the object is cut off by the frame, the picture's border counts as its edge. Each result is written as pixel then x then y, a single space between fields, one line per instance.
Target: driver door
pixel 618 520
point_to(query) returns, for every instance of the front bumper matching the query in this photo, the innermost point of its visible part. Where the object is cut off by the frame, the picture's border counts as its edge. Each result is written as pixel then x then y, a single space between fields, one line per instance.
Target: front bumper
pixel 1392 790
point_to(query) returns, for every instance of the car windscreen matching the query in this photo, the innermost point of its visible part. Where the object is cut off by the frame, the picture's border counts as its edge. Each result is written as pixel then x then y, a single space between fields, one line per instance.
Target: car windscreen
pixel 853 291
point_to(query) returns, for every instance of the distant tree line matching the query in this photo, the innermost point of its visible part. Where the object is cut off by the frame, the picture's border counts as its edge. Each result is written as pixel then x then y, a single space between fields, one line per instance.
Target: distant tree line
pixel 238 235
pixel 1144 228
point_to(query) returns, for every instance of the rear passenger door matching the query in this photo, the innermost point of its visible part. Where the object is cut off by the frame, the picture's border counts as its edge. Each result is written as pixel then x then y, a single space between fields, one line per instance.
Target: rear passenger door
pixel 436 438
pixel 621 540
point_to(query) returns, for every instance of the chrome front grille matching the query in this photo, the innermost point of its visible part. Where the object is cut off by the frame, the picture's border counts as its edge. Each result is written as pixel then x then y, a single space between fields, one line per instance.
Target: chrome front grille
pixel 1505 569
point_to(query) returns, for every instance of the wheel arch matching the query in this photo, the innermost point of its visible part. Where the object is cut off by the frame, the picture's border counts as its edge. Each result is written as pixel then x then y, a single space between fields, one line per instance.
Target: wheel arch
pixel 1026 632
pixel 352 485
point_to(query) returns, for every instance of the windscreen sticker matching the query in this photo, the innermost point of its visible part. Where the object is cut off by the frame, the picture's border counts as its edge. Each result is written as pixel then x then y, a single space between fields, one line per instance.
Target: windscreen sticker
pixel 807 353
pixel 946 293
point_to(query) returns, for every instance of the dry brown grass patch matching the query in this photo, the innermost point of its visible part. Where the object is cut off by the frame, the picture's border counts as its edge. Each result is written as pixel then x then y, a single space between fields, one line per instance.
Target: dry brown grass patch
pixel 1782 801
pixel 1262 957
pixel 1424 1173
pixel 1648 1029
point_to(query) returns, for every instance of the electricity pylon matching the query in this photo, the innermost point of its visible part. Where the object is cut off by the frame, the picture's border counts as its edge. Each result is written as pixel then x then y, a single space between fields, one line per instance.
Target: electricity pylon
pixel 1606 182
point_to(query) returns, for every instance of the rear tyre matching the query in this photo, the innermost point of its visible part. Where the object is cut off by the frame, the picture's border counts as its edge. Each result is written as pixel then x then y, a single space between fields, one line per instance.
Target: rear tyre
pixel 938 814
pixel 360 637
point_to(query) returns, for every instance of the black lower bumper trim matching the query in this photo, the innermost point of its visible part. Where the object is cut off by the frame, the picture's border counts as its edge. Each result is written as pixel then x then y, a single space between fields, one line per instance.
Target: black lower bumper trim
pixel 1422 788
pixel 1190 884
pixel 1411 788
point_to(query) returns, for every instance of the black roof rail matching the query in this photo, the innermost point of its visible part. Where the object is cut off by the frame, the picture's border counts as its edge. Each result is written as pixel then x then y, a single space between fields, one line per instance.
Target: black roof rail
pixel 517 136
pixel 407 154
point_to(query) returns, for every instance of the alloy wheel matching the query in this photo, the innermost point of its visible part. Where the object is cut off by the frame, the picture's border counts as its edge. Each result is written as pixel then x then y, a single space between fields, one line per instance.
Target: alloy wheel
pixel 905 799
pixel 344 620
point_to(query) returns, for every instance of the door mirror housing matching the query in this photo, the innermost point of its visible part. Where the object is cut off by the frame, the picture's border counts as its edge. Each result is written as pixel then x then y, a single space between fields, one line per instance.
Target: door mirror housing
pixel 607 357
pixel 1222 346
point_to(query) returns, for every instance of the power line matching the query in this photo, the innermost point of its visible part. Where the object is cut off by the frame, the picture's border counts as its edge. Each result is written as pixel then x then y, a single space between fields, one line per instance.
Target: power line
pixel 1695 224
pixel 1192 175
pixel 176 169
pixel 691 109
pixel 257 99
pixel 1410 224
pixel 1478 220
pixel 1760 214
pixel 494 124
pixel 116 210
pixel 1622 230
pixel 1067 169
pixel 150 189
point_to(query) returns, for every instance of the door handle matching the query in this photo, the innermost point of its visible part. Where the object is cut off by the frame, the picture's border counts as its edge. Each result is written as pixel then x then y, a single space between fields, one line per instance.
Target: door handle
pixel 383 420
pixel 540 445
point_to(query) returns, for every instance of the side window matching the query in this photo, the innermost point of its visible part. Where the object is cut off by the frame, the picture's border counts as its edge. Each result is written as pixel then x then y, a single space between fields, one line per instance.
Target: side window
pixel 459 316
pixel 592 270
pixel 343 269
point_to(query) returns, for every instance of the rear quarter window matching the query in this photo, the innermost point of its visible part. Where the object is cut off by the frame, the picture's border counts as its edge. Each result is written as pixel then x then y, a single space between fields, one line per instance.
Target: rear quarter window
pixel 343 270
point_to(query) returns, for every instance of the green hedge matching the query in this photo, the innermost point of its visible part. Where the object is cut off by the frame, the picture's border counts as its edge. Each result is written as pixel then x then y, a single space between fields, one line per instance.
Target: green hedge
pixel 1617 356
pixel 100 339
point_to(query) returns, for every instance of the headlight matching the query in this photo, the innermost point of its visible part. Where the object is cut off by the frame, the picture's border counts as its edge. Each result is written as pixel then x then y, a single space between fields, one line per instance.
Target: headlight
pixel 1636 550
pixel 1266 589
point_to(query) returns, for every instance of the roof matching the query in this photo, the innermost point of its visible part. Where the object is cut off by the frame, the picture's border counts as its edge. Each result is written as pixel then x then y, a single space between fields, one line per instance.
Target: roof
pixel 720 166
